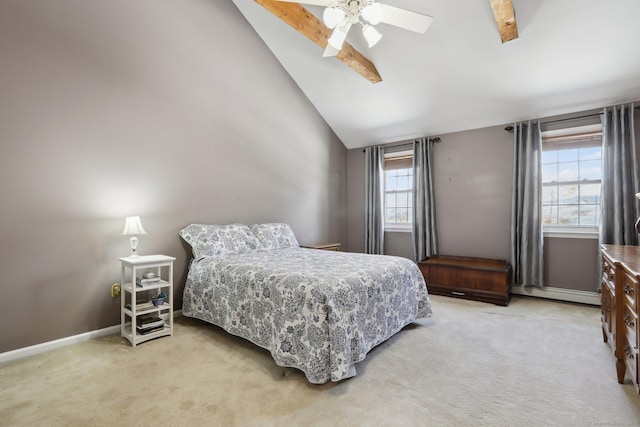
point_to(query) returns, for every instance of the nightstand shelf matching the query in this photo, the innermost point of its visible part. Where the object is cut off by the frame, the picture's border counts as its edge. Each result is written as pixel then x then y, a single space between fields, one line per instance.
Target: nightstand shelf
pixel 136 300
pixel 147 310
pixel 166 331
pixel 161 284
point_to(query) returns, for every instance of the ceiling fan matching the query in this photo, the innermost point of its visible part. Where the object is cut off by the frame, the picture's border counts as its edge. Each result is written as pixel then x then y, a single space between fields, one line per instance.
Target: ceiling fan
pixel 341 15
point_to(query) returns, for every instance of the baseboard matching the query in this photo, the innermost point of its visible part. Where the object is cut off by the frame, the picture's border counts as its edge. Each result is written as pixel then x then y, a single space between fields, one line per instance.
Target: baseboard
pixel 561 294
pixel 21 353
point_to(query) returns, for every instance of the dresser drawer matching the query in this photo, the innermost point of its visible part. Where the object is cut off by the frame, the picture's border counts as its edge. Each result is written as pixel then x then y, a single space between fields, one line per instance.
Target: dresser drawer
pixel 630 354
pixel 608 273
pixel 499 298
pixel 630 319
pixel 608 316
pixel 630 289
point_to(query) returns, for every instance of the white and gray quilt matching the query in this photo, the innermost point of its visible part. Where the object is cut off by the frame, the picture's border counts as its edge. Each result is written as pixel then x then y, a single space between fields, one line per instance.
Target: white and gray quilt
pixel 318 311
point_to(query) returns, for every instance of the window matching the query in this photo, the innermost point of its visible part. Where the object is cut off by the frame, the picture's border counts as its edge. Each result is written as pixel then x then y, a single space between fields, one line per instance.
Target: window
pixel 571 177
pixel 398 185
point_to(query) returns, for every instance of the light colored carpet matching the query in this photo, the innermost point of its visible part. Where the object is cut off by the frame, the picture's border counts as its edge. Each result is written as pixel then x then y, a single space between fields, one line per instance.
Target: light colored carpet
pixel 533 363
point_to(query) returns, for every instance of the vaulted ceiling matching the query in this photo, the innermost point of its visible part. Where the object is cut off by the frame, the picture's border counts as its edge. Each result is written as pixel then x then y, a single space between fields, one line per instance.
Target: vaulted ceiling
pixel 569 56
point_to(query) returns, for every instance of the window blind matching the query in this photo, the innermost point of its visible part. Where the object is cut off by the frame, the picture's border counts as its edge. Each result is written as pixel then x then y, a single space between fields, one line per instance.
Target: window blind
pixel 398 162
pixel 568 138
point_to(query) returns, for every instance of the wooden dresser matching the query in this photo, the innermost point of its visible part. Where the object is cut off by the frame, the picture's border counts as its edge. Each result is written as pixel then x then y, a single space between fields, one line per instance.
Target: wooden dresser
pixel 479 279
pixel 619 280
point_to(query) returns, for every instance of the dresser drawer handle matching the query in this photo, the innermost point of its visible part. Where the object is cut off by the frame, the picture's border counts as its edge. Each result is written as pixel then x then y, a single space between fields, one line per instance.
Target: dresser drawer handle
pixel 458 293
pixel 628 321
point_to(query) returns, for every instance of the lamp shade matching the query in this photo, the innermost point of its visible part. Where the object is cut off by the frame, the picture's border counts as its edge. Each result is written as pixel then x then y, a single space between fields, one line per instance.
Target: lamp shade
pixel 133 226
pixel 371 35
pixel 332 16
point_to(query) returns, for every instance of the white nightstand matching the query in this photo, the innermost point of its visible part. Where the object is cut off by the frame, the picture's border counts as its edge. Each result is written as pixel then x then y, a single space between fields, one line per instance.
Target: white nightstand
pixel 137 312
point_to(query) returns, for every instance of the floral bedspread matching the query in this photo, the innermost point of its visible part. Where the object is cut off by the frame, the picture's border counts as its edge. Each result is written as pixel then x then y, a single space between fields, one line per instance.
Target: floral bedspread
pixel 318 311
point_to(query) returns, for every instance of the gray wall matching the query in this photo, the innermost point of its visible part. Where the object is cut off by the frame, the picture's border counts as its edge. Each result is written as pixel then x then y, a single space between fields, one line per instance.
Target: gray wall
pixel 473 180
pixel 571 263
pixel 174 111
pixel 473 184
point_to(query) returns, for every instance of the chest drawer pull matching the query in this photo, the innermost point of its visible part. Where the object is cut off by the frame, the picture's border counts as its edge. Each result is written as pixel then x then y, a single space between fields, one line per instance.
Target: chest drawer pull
pixel 461 294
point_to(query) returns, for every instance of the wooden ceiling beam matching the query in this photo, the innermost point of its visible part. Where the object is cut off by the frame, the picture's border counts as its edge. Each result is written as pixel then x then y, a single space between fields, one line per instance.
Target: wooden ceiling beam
pixel 308 25
pixel 505 18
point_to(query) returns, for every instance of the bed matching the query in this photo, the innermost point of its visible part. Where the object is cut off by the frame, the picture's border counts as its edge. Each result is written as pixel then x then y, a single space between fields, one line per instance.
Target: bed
pixel 314 310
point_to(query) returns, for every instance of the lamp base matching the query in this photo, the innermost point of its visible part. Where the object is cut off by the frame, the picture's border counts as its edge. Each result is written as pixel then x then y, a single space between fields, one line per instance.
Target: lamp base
pixel 134 245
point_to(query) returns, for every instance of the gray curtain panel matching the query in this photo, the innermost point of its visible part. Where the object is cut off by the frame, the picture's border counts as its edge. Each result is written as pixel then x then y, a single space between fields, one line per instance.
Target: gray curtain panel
pixel 374 211
pixel 425 241
pixel 526 206
pixel 619 177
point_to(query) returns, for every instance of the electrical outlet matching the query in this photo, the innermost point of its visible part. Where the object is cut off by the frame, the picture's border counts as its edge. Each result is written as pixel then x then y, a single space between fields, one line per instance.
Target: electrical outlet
pixel 115 289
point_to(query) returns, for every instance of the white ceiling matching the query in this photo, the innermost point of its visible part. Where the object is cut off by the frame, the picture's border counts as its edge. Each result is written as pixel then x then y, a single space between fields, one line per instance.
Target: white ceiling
pixel 571 56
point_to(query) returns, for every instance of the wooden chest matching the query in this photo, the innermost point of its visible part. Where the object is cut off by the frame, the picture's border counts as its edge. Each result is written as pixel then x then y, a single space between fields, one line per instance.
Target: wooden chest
pixel 479 279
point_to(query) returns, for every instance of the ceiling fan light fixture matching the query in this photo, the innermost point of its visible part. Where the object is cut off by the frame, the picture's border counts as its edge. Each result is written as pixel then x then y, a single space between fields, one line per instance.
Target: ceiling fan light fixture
pixel 332 16
pixel 371 35
pixel 372 13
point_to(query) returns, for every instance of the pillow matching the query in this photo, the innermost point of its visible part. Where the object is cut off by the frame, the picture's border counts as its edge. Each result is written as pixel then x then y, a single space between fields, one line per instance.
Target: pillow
pixel 274 236
pixel 219 240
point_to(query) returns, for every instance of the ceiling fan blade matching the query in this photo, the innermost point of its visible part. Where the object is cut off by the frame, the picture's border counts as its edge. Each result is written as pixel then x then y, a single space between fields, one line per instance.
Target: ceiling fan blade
pixel 330 51
pixel 325 3
pixel 406 19
pixel 338 37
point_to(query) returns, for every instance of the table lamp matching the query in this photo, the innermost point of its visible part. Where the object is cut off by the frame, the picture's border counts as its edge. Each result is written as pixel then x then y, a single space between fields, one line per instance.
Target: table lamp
pixel 133 227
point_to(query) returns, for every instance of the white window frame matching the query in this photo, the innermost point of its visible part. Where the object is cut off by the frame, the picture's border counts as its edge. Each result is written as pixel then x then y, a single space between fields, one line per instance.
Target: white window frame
pixel 571 231
pixel 394 226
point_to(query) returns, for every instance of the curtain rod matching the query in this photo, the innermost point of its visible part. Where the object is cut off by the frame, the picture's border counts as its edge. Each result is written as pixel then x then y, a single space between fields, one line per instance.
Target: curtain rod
pixel 568 119
pixel 510 128
pixel 436 140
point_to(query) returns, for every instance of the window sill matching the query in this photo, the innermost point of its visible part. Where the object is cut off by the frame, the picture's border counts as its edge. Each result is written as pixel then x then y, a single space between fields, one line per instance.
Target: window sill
pixel 398 229
pixel 571 232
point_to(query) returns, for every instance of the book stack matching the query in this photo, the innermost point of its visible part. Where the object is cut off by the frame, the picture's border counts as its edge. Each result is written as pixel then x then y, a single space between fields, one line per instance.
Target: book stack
pixel 143 281
pixel 141 304
pixel 149 323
